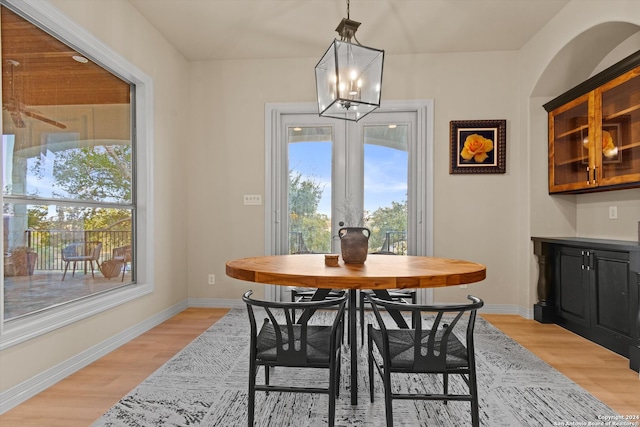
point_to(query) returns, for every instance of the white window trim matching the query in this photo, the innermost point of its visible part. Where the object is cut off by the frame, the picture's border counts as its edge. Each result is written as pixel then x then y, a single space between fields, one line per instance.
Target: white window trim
pixel 424 172
pixel 49 17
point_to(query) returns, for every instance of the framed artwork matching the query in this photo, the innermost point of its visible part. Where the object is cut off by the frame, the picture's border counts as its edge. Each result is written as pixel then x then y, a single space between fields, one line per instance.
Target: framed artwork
pixel 478 146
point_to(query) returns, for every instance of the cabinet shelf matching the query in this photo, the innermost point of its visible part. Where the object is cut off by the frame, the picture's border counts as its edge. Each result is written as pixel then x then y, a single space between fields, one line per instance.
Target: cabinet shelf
pixel 572 131
pixel 579 159
pixel 622 112
pixel 607 118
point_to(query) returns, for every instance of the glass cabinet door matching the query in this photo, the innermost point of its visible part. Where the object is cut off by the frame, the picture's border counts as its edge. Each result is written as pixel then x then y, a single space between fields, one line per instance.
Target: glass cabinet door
pixel 619 154
pixel 569 146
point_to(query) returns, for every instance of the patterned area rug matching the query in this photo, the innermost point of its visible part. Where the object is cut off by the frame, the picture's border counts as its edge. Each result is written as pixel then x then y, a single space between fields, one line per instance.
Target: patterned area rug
pixel 206 385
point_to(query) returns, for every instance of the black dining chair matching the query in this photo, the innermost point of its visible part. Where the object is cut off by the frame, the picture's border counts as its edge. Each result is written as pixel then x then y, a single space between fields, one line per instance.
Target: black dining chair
pixel 281 342
pixel 431 347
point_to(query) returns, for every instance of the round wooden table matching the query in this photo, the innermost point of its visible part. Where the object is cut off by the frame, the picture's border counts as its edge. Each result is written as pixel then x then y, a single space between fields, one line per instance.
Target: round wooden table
pixel 378 273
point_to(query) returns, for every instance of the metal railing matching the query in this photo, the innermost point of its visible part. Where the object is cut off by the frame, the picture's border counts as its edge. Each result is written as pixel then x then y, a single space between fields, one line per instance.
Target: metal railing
pixel 395 242
pixel 49 244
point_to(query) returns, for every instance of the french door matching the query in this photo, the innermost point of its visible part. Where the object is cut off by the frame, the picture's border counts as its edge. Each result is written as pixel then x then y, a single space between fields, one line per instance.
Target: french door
pixel 325 174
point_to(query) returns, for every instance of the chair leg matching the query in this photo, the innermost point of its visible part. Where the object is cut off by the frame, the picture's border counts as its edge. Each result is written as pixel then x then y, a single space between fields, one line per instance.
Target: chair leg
pixel 73 272
pixel 475 406
pixel 414 300
pixel 339 358
pixel 370 362
pixel 91 264
pixel 445 381
pixel 386 379
pixel 252 393
pixel 293 310
pixel 66 266
pixel 332 392
pixel 362 303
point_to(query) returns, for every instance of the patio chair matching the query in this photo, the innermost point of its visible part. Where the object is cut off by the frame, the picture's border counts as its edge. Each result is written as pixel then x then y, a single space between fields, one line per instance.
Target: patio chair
pixel 81 251
pixel 122 254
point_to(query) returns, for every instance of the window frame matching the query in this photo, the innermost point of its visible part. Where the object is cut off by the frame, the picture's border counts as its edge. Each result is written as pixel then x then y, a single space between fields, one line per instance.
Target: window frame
pixel 50 19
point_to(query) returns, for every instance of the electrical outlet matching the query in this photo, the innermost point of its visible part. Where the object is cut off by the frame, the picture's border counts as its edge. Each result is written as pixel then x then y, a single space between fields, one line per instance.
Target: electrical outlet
pixel 252 199
pixel 212 279
pixel 613 212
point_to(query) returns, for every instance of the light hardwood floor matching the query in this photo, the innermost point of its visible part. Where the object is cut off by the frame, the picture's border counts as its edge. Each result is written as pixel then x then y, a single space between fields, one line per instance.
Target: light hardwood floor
pixel 602 372
pixel 84 396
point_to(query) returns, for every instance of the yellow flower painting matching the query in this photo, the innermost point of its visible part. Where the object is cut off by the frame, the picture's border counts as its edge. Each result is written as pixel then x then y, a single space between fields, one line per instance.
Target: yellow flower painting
pixel 476 147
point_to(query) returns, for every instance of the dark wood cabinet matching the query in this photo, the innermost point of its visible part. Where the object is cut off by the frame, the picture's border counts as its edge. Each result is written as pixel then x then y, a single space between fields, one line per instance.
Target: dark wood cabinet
pixel 572 289
pixel 592 287
pixel 594 132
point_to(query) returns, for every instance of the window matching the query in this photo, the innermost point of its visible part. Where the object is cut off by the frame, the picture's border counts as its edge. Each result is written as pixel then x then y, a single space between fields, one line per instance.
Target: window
pixel 74 181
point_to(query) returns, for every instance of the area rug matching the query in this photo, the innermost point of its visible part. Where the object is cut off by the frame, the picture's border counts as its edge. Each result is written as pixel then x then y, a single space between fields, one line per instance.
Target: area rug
pixel 206 385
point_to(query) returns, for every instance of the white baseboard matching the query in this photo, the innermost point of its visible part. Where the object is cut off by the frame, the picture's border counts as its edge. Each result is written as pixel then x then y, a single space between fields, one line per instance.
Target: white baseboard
pixel 507 309
pixel 29 388
pixel 215 303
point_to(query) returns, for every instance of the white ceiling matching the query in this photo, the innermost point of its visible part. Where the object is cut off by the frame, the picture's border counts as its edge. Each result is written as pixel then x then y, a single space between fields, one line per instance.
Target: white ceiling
pixel 242 29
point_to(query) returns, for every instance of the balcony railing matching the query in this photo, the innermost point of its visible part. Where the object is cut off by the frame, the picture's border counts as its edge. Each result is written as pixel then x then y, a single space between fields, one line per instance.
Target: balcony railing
pixel 48 244
pixel 395 242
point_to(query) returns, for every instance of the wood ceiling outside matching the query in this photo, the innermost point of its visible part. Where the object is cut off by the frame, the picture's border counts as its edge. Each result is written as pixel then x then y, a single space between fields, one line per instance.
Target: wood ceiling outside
pixel 47 74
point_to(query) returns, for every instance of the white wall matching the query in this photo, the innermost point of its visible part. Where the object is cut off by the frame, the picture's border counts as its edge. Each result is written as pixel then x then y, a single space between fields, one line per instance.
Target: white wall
pixel 118 24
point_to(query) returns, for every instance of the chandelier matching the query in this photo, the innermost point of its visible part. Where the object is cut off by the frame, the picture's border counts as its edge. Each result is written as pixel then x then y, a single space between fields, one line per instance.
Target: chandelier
pixel 349 76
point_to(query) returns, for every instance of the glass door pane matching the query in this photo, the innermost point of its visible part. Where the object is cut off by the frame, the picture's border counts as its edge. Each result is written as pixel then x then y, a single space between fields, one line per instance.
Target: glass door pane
pixel 309 189
pixel 386 160
pixel 620 152
pixel 571 144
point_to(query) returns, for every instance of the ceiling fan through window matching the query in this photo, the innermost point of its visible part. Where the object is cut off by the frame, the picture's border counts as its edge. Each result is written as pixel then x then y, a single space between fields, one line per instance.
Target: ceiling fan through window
pixel 17 108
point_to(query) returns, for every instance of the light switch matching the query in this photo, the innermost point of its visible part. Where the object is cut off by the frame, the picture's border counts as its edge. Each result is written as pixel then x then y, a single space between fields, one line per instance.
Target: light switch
pixel 252 199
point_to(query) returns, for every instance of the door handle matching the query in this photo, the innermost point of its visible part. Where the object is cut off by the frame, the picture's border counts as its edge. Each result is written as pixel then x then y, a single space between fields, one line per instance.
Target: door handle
pixel 588 180
pixel 588 260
